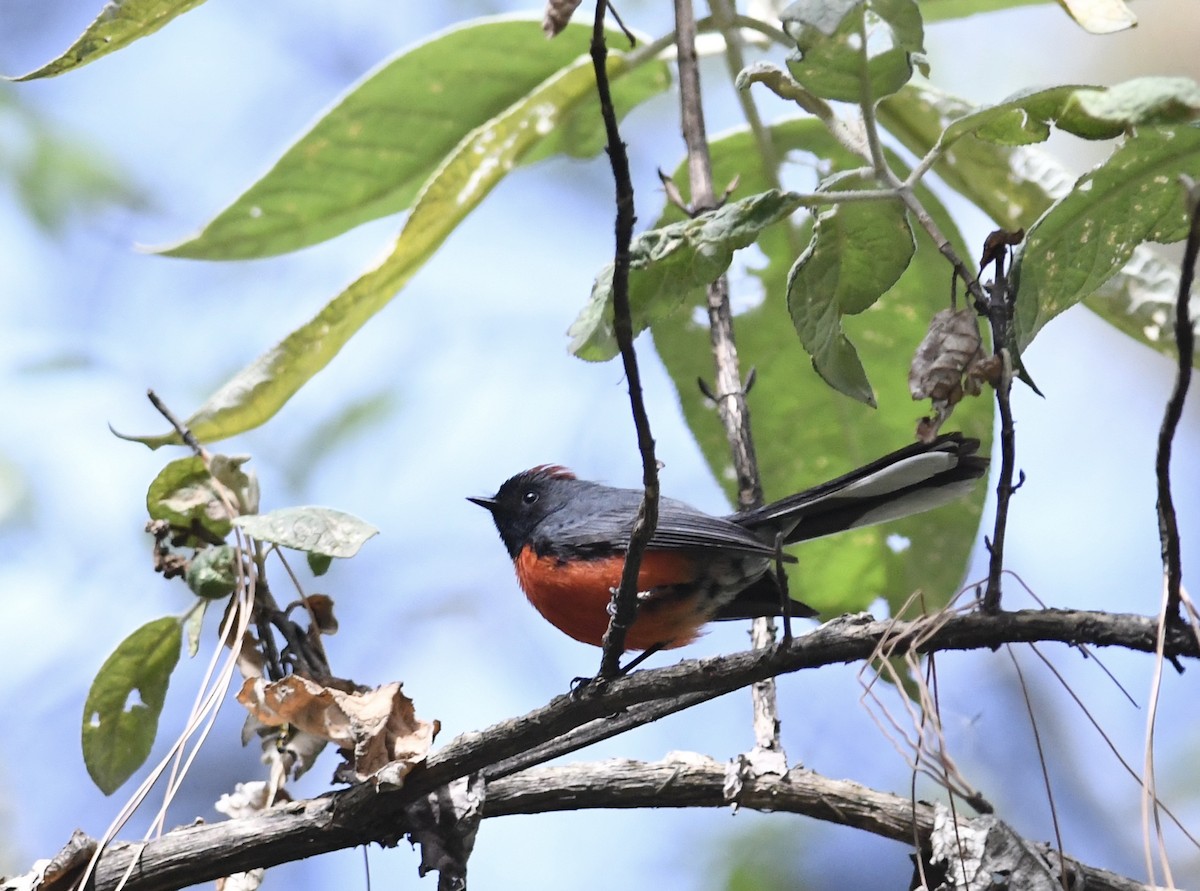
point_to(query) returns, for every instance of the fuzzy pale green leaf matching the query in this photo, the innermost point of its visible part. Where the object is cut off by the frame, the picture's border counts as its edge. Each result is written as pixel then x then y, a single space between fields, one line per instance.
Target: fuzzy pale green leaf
pixel 120 716
pixel 315 530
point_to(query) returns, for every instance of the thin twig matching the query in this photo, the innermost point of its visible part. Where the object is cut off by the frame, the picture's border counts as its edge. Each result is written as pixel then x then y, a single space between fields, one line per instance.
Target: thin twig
pixel 185 434
pixel 731 401
pixel 1185 341
pixel 1037 740
pixel 999 308
pixel 623 608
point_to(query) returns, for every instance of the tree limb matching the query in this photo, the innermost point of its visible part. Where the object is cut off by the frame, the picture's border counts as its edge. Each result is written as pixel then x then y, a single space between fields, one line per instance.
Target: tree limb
pixel 360 815
pixel 288 832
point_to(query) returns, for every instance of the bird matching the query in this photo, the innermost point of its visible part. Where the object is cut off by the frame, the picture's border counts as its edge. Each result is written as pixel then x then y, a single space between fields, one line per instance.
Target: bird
pixel 568 537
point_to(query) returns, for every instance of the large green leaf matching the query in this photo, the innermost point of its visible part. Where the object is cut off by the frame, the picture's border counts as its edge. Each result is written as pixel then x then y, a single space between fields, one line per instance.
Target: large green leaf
pixel 804 431
pixel 668 262
pixel 1085 239
pixel 477 164
pixel 119 24
pixel 370 154
pixel 858 251
pixel 120 717
pixel 840 54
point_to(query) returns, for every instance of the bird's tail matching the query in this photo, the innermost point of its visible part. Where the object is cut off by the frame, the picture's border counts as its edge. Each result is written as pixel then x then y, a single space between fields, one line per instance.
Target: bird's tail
pixel 908 481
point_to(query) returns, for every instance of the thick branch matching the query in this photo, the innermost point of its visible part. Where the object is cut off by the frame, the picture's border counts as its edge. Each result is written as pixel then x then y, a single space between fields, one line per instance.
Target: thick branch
pixel 187 855
pixel 629 784
pixel 361 815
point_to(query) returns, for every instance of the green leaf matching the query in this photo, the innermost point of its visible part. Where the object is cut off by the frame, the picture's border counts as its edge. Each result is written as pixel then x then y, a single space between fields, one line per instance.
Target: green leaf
pixel 1087 112
pixel 213 572
pixel 842 43
pixel 989 175
pixel 1026 118
pixel 120 717
pixel 318 564
pixel 1140 301
pixel 184 493
pixel 119 24
pixel 463 180
pixel 1085 239
pixel 666 263
pixel 1013 186
pixel 372 152
pixel 317 530
pixel 805 433
pixel 858 251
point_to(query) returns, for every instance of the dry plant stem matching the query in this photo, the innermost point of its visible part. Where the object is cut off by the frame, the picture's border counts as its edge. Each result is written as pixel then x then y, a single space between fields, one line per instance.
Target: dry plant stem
pixel 361 814
pixel 624 605
pixel 1185 341
pixel 1041 752
pixel 731 397
pixel 1150 810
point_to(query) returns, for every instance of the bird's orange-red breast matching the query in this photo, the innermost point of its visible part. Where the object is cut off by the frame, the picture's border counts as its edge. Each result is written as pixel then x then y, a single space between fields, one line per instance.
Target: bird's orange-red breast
pixel 567 538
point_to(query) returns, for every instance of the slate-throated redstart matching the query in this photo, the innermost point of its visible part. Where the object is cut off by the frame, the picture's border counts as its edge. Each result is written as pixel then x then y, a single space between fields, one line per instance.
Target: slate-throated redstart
pixel 567 538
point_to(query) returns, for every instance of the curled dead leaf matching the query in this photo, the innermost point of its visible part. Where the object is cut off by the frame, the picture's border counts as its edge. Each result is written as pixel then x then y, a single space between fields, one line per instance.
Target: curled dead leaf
pixel 444 824
pixel 997 243
pixel 558 13
pixel 946 366
pixel 377 730
pixel 320 608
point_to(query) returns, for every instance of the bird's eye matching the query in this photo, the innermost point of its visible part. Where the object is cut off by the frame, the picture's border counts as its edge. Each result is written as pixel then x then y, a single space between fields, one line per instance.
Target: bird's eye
pixel 529 497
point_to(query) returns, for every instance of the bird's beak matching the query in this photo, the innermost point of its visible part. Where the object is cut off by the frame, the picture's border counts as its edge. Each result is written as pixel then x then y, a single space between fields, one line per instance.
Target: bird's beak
pixel 488 504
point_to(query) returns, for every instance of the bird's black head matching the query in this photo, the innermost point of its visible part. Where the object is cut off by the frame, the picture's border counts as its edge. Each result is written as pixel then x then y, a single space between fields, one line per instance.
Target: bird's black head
pixel 524 501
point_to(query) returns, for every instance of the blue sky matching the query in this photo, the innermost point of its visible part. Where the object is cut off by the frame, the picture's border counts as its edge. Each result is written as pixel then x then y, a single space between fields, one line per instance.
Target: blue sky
pixel 192 115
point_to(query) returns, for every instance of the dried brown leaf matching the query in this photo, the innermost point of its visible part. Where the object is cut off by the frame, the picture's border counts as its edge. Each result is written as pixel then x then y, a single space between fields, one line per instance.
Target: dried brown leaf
pixel 558 14
pixel 320 608
pixel 945 366
pixel 444 824
pixel 377 730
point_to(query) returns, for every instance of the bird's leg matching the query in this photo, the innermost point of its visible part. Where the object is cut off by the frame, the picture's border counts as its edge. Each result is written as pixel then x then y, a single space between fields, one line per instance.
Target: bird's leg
pixel 785 602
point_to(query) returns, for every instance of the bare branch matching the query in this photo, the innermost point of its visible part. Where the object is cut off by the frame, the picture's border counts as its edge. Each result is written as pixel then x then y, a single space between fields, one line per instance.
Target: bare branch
pixel 361 814
pixel 624 604
pixel 1185 340
pixel 300 829
pixel 731 397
